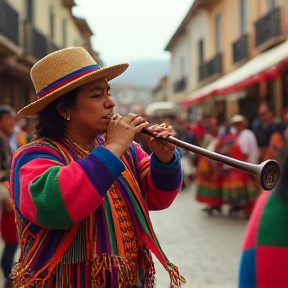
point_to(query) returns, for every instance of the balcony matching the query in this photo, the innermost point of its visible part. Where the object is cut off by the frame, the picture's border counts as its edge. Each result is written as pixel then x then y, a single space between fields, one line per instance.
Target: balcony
pixel 240 49
pixel 69 3
pixel 268 27
pixel 35 43
pixel 9 22
pixel 210 68
pixel 180 85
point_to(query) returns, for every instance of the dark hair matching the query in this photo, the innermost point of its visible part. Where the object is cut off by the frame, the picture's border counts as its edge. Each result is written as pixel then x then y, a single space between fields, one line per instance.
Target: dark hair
pixel 49 123
pixel 282 185
pixel 5 109
pixel 269 106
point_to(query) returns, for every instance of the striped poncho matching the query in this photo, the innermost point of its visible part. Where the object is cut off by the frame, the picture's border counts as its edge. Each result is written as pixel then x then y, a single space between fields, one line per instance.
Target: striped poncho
pixel 83 219
pixel 264 262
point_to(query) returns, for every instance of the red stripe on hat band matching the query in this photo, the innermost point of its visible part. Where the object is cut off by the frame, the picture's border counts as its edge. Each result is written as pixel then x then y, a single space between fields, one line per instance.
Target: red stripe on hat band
pixel 66 79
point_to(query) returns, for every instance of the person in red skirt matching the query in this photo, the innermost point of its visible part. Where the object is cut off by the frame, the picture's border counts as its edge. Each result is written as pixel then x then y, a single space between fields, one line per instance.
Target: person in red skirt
pixel 240 190
pixel 208 178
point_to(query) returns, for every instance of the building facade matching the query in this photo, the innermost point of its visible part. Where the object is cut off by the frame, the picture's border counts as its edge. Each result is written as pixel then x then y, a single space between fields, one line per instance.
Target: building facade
pixel 130 98
pixel 160 92
pixel 238 55
pixel 29 30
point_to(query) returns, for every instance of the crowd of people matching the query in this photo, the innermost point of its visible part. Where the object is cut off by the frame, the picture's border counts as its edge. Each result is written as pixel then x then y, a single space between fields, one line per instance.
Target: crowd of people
pixel 264 258
pixel 95 229
pixel 254 142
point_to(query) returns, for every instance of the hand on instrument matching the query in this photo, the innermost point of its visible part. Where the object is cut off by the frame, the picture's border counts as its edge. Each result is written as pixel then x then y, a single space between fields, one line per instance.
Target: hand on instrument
pixel 121 132
pixel 163 150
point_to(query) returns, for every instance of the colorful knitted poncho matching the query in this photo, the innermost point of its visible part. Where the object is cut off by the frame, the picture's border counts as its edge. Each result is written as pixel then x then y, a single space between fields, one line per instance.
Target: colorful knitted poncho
pixel 79 228
pixel 264 262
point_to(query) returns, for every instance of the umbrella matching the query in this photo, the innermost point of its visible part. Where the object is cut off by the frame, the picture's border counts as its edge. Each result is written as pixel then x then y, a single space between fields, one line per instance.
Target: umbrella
pixel 160 108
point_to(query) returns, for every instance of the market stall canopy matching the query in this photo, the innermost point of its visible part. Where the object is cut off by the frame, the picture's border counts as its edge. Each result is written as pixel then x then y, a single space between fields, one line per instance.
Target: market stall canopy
pixel 262 68
pixel 161 108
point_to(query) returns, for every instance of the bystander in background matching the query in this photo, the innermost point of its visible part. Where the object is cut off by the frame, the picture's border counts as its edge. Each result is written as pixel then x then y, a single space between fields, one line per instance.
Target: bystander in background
pixel 7 224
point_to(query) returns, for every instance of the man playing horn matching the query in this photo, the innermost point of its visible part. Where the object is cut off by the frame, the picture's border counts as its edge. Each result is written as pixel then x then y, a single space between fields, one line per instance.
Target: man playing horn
pixel 82 201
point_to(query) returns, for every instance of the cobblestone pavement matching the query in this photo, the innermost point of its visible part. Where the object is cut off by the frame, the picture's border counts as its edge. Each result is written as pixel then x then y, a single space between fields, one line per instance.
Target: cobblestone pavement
pixel 205 249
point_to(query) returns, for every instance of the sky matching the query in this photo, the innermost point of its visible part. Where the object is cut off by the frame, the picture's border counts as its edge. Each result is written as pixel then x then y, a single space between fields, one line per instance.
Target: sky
pixel 129 30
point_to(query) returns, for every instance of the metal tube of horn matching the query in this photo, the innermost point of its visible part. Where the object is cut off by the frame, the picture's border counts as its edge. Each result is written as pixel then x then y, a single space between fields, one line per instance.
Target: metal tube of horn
pixel 267 173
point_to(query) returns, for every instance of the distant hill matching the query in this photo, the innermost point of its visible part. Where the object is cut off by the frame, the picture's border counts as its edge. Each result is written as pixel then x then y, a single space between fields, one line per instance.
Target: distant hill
pixel 145 74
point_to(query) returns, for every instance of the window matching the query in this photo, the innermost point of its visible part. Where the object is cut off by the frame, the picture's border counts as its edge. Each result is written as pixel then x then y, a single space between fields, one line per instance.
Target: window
pixel 29 9
pixel 271 4
pixel 243 16
pixel 182 67
pixel 218 33
pixel 51 19
pixel 201 51
pixel 64 32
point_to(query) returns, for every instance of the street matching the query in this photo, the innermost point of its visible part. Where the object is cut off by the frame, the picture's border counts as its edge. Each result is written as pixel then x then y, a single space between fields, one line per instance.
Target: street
pixel 205 249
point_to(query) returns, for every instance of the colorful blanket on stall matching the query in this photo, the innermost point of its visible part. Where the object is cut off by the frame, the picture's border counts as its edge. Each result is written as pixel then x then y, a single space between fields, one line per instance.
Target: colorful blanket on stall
pixel 264 262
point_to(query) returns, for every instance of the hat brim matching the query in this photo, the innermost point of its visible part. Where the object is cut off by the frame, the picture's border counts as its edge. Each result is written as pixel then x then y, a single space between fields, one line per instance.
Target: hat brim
pixel 109 73
pixel 238 121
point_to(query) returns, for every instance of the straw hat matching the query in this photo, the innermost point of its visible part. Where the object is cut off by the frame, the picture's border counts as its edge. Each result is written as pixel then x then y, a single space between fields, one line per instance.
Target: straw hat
pixel 61 72
pixel 238 118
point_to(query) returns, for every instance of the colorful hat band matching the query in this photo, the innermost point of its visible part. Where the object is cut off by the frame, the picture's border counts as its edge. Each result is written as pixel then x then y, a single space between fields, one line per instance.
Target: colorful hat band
pixel 66 79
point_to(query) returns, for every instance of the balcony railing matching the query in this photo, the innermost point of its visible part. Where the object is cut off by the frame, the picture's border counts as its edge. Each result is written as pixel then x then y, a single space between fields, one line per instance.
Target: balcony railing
pixel 240 49
pixel 267 27
pixel 210 68
pixel 180 85
pixel 9 22
pixel 69 3
pixel 35 43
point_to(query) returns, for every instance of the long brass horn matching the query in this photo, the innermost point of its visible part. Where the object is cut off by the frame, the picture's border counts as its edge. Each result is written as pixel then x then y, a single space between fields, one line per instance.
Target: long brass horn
pixel 267 173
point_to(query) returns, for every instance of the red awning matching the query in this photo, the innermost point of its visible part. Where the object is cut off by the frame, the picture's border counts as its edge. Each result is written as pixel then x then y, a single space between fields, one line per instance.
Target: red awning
pixel 261 68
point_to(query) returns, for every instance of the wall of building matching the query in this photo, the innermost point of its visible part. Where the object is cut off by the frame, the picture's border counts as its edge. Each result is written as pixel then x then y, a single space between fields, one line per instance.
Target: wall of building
pixel 179 67
pixel 256 10
pixel 202 25
pixel 15 84
pixel 212 11
pixel 230 31
pixel 61 13
pixel 198 29
pixel 180 59
pixel 42 20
